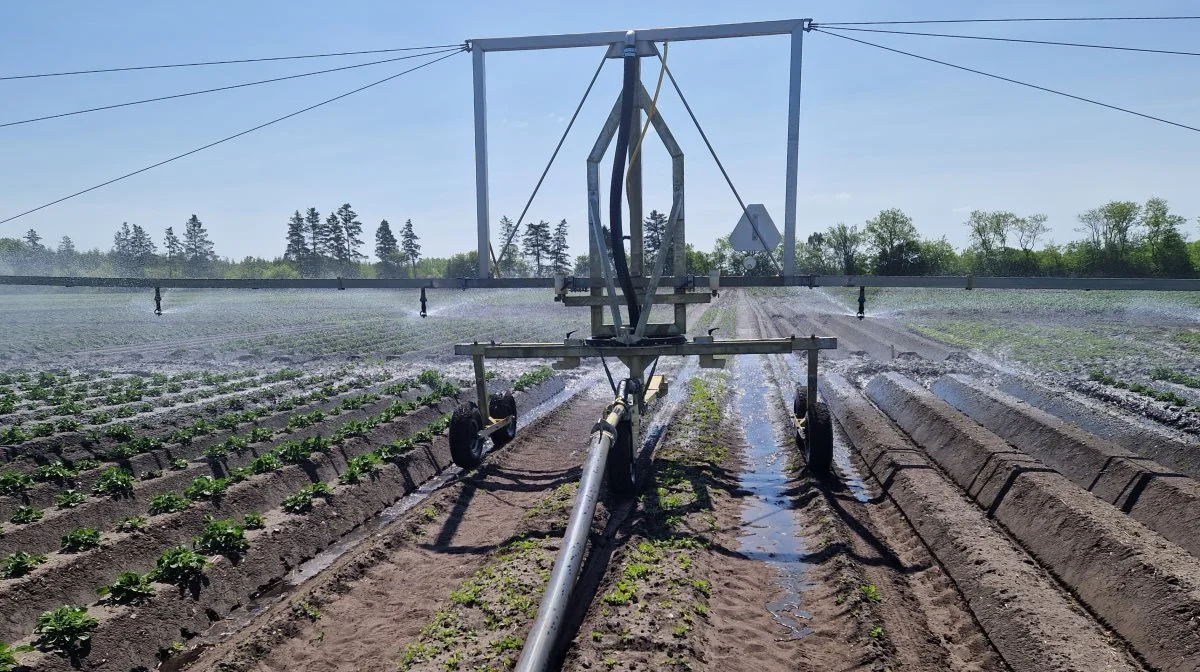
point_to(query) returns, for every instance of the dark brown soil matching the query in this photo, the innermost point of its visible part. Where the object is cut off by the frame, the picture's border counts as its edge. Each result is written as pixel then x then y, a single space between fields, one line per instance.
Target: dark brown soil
pixel 1165 501
pixel 1034 625
pixel 1175 450
pixel 1144 587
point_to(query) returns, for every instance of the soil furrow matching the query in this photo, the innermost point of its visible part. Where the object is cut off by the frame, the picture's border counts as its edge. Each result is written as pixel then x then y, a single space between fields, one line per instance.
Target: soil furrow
pixel 1181 454
pixel 1144 587
pixel 1034 625
pixel 1165 501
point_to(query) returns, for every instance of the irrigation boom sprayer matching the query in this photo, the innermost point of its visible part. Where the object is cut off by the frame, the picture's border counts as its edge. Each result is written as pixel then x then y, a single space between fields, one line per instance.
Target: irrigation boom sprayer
pixel 621 291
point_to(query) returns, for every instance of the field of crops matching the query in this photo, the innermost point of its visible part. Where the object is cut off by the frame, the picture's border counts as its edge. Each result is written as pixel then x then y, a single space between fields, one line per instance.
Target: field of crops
pixel 263 481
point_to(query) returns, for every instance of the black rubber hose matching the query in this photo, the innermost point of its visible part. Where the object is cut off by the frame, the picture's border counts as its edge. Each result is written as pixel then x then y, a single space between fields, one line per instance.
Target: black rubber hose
pixel 616 231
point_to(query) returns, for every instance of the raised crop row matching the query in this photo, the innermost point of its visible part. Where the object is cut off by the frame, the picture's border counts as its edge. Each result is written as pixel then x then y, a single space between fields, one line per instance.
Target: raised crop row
pixel 163 590
pixel 95 441
pixel 149 456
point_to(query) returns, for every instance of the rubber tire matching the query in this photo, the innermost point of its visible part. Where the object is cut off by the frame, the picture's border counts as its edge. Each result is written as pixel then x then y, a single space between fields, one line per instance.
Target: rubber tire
pixel 500 406
pixel 620 469
pixel 466 449
pixel 800 401
pixel 818 444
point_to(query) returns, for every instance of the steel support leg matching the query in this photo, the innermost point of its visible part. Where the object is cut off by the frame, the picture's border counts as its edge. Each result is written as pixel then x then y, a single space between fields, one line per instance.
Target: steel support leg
pixel 793 154
pixel 813 358
pixel 480 385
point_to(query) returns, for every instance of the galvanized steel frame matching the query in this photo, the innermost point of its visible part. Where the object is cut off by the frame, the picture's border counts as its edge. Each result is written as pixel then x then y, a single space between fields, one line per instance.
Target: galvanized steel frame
pixel 480 46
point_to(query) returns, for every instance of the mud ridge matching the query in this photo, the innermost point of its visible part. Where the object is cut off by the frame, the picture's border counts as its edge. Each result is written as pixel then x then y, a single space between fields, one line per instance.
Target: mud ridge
pixel 1165 501
pixel 1032 624
pixel 1143 587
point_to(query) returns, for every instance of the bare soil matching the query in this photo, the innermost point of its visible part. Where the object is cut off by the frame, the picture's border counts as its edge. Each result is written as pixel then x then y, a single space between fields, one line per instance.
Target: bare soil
pixel 1146 588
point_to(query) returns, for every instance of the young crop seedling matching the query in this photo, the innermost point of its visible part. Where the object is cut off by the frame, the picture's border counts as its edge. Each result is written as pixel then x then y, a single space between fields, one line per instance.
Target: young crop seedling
pixel 19 564
pixel 149 474
pixel 80 539
pixel 225 537
pixel 129 588
pixel 69 499
pixel 14 483
pixel 206 487
pixel 55 471
pixel 23 515
pixel 114 482
pixel 261 434
pixel 870 593
pixel 86 464
pixel 179 464
pixel 8 656
pixel 131 524
pixel 265 464
pixel 254 521
pixel 65 630
pixel 168 503
pixel 178 566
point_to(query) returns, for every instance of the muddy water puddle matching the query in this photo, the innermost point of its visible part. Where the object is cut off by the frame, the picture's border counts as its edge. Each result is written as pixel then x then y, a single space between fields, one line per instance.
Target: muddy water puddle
pixel 770 531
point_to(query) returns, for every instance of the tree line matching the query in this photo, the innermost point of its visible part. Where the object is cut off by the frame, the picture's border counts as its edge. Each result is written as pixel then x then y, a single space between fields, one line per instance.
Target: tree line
pixel 1119 238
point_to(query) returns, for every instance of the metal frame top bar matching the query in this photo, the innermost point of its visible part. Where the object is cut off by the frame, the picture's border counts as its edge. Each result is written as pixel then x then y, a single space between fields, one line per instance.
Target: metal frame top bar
pixel 680 34
pixel 582 284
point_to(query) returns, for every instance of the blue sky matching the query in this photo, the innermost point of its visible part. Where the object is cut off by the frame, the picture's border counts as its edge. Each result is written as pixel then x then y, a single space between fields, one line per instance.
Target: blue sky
pixel 878 130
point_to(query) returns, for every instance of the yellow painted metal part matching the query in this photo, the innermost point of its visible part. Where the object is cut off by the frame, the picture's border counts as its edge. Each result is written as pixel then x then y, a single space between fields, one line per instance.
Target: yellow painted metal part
pixel 656 388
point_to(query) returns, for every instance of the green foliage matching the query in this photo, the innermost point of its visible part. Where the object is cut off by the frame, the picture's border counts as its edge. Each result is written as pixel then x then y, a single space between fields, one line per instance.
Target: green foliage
pixel 66 630
pixel 119 432
pixel 179 464
pixel 870 593
pixel 265 463
pixel 300 502
pixel 80 539
pixel 260 434
pixel 178 565
pixel 14 483
pixel 69 499
pixel 206 487
pixel 254 521
pixel 54 471
pixel 114 482
pixel 532 378
pixel 20 563
pixel 226 537
pixel 23 515
pixel 1172 376
pixel 169 502
pixel 357 467
pixel 129 588
pixel 13 435
pixel 8 656
pixel 216 452
pixel 622 593
pixel 131 524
